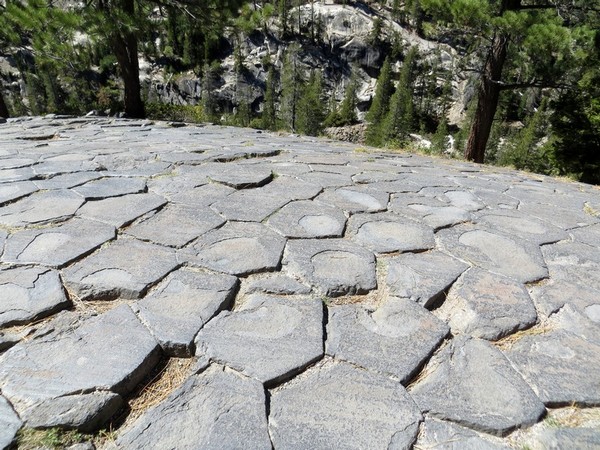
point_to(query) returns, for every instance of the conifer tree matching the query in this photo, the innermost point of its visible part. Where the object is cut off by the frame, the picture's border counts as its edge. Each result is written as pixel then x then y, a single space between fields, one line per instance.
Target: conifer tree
pixel 269 119
pixel 347 112
pixel 291 84
pixel 380 105
pixel 310 107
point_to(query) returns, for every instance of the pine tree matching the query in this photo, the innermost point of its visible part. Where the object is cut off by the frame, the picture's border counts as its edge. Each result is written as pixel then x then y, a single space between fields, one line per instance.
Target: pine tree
pixel 347 113
pixel 291 84
pixel 310 107
pixel 268 119
pixel 380 105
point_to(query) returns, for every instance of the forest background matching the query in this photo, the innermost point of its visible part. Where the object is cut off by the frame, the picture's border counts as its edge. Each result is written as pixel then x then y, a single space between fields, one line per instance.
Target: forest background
pixel 509 82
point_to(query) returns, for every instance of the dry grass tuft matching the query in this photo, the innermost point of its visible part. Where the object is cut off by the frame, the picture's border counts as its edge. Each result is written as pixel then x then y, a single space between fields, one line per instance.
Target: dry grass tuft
pixel 507 342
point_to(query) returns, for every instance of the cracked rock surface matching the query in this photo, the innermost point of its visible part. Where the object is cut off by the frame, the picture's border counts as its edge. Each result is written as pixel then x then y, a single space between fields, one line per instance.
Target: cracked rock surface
pixel 208 287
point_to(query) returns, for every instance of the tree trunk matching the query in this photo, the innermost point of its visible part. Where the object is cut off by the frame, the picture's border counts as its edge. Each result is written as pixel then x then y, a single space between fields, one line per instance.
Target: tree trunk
pixel 3 107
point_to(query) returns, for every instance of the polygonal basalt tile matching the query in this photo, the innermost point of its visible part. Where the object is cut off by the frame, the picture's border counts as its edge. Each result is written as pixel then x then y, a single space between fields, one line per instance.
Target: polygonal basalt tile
pixel 126 268
pixel 111 187
pixel 181 304
pixel 496 252
pixel 120 211
pixel 439 434
pixel 269 338
pixel 41 208
pixel 386 233
pixel 237 248
pixel 397 338
pixel 57 246
pixel 527 228
pixel 239 176
pixel 9 423
pixel 308 219
pixel 423 277
pixel 337 405
pixel 334 266
pixel 28 294
pixel 356 199
pixel 13 191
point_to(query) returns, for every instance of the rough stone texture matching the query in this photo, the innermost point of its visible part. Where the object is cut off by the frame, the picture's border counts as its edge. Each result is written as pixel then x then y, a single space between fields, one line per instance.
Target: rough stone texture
pixel 396 339
pixel 176 225
pixel 269 338
pixel 563 438
pixel 14 191
pixel 277 284
pixel 471 383
pixel 238 249
pixel 438 434
pixel 216 409
pixel 356 199
pixel 57 246
pixel 308 219
pixel 249 205
pixel 387 233
pixel 181 304
pixel 120 211
pixel 9 423
pixel 111 187
pixel 125 268
pixel 240 176
pixel 423 277
pixel 508 256
pixel 529 228
pixel 93 355
pixel 336 405
pixel 487 306
pixel 28 294
pixel 41 208
pixel 333 266
pixel 587 235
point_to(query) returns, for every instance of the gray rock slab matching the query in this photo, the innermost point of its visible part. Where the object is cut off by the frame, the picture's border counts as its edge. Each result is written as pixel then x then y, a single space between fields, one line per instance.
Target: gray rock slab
pixel 551 296
pixel 28 294
pixel 9 423
pixel 423 277
pixel 111 187
pixel 239 176
pixel 308 219
pixel 176 225
pixel 59 245
pixel 249 205
pixel 527 228
pixel 496 252
pixel 327 179
pixel 19 174
pixel 564 438
pixel 278 284
pixel 562 367
pixel 438 434
pixel 113 351
pixel 292 188
pixel 84 412
pixel 336 405
pixel 67 180
pixel 126 268
pixel 202 195
pixel 333 266
pixel 587 235
pixel 13 191
pixel 7 340
pixel 41 208
pixel 395 339
pixel 237 248
pixel 181 304
pixel 120 211
pixel 465 200
pixel 471 383
pixel 387 233
pixel 217 409
pixel 565 218
pixel 269 338
pixel 487 306
pixel 356 199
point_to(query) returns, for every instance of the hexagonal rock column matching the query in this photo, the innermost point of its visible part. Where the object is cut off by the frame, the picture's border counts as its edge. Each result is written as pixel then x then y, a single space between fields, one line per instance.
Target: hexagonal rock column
pixel 28 294
pixel 438 434
pixel 41 208
pixel 471 383
pixel 111 187
pixel 527 228
pixel 269 338
pixel 181 304
pixel 9 423
pixel 356 199
pixel 57 246
pixel 487 306
pixel 238 248
pixel 396 339
pixel 70 376
pixel 120 211
pixel 334 266
pixel 337 405
pixel 216 409
pixel 520 260
pixel 308 219
pixel 423 277
pixel 126 268
pixel 386 233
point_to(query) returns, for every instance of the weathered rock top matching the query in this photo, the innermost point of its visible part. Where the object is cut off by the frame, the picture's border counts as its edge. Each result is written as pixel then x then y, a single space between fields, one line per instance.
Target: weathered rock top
pixel 215 287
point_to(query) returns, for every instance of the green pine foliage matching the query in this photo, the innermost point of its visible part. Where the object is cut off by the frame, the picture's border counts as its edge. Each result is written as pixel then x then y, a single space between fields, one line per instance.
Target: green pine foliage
pixel 269 118
pixel 291 87
pixel 380 105
pixel 310 107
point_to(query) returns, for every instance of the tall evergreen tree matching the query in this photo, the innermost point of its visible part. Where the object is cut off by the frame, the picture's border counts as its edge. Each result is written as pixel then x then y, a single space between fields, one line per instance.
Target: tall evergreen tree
pixel 380 105
pixel 310 107
pixel 269 119
pixel 291 86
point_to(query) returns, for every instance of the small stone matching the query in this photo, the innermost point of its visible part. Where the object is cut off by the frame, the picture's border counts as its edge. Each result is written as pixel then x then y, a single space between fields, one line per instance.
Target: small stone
pixel 181 304
pixel 471 383
pixel 395 339
pixel 334 266
pixel 237 248
pixel 308 219
pixel 126 268
pixel 337 405
pixel 57 246
pixel 487 306
pixel 9 423
pixel 120 211
pixel 437 434
pixel 216 409
pixel 41 208
pixel 423 277
pixel 29 294
pixel 111 187
pixel 269 339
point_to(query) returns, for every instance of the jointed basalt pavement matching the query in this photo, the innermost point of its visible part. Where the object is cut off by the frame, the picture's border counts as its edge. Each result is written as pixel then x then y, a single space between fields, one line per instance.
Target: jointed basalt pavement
pixel 328 296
